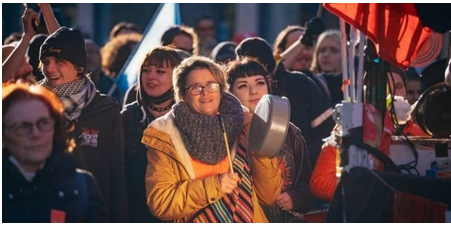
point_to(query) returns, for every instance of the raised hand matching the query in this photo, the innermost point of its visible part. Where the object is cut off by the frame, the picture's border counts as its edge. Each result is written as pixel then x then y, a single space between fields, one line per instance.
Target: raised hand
pixel 313 28
pixel 29 16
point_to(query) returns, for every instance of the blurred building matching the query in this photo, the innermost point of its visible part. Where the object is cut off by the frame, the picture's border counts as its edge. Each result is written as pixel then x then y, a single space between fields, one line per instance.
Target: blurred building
pixel 96 19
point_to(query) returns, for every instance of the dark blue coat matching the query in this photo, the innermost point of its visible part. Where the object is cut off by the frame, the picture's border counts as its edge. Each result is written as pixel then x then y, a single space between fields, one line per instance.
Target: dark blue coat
pixel 53 188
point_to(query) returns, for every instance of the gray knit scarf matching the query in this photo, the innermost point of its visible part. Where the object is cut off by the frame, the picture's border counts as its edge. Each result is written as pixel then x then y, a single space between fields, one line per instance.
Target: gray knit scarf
pixel 202 134
pixel 74 95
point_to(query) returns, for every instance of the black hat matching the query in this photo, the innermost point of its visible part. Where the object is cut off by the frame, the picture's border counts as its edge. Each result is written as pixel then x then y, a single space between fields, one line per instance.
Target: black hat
pixel 224 51
pixel 65 43
pixel 258 48
pixel 182 53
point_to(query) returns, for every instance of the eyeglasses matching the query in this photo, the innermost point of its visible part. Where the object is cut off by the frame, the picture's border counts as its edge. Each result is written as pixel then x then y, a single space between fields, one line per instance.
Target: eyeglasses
pixel 24 128
pixel 197 89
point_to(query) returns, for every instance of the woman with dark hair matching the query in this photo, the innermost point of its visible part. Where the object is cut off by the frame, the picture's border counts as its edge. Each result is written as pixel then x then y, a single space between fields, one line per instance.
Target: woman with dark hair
pixel 248 81
pixel 123 28
pixel 155 98
pixel 40 181
pixel 181 37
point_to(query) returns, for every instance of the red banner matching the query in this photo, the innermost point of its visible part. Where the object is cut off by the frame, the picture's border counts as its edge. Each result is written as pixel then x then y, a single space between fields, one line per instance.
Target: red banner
pixel 395 28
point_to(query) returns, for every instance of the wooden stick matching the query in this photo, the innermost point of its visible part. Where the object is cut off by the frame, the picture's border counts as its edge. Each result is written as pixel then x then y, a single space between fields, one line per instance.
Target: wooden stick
pixel 319 13
pixel 226 142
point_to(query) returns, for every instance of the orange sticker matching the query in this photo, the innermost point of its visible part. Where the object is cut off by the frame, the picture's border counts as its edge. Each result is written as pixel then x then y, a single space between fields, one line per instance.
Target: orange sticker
pixel 57 216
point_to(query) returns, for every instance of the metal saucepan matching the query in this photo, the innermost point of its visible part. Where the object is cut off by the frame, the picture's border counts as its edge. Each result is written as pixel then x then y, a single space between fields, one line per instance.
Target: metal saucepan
pixel 269 125
pixel 433 110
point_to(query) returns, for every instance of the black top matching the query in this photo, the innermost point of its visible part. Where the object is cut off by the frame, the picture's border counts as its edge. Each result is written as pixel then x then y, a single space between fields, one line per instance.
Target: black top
pixel 335 83
pixel 307 102
pixel 136 163
pixel 99 137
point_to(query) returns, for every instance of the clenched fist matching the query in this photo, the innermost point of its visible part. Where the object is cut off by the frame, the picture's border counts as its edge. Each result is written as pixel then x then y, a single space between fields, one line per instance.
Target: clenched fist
pixel 228 182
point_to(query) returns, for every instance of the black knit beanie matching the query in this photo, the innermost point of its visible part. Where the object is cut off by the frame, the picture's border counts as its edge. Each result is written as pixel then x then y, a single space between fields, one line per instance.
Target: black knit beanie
pixel 258 48
pixel 224 51
pixel 65 43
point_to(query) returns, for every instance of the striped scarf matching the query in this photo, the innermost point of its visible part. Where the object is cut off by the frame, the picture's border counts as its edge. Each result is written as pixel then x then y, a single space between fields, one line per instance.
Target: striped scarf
pixel 74 95
pixel 236 207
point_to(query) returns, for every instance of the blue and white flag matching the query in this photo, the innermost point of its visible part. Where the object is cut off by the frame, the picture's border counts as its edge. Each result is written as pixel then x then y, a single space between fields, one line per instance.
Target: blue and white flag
pixel 167 14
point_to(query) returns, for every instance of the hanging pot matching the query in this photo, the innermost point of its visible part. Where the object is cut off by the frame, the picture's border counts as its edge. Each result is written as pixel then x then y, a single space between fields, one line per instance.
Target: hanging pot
pixel 433 110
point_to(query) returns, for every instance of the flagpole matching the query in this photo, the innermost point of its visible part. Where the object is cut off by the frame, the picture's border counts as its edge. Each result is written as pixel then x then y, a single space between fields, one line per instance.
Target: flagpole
pixel 167 14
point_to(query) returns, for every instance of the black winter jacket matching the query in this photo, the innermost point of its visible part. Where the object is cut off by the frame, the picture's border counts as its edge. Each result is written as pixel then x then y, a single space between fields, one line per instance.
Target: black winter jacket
pixel 308 104
pixel 136 163
pixel 99 136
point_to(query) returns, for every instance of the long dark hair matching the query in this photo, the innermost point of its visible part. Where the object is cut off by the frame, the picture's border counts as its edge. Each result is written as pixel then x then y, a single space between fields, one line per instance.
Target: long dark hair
pixel 246 67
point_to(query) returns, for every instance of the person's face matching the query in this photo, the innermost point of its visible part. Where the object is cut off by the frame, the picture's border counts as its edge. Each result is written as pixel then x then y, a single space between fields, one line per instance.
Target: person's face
pixel 304 59
pixel 413 91
pixel 397 85
pixel 206 102
pixel 93 59
pixel 155 80
pixel 249 90
pixel 25 69
pixel 183 42
pixel 206 28
pixel 30 150
pixel 329 56
pixel 58 71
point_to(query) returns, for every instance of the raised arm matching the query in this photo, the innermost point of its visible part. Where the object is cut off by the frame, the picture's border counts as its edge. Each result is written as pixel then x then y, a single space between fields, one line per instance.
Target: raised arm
pixel 49 17
pixel 314 27
pixel 14 61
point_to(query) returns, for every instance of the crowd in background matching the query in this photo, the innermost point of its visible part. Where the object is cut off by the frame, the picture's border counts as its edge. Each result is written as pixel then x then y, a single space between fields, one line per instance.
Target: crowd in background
pixel 157 153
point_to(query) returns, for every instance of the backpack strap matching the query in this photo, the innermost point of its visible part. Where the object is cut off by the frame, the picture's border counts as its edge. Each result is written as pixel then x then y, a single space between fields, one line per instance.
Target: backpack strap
pixel 83 191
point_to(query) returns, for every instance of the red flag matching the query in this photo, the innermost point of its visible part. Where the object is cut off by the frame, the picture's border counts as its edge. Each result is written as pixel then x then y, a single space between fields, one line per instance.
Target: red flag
pixel 408 208
pixel 395 28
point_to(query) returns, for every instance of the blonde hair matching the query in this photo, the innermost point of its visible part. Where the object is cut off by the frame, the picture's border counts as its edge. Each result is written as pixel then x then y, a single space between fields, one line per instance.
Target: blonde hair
pixel 334 34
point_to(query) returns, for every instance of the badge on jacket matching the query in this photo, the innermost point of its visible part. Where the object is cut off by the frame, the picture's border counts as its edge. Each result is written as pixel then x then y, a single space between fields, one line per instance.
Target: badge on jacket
pixel 89 137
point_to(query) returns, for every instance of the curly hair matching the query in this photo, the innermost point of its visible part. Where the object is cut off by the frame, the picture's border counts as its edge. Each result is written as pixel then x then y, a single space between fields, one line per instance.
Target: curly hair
pixel 116 52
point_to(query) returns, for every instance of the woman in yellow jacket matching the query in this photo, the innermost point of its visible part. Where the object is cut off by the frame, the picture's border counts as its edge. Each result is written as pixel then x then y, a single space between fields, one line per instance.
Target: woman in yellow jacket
pixel 189 176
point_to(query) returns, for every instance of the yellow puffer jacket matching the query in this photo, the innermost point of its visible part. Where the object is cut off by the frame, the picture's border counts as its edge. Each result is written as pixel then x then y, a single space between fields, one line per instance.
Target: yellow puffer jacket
pixel 173 193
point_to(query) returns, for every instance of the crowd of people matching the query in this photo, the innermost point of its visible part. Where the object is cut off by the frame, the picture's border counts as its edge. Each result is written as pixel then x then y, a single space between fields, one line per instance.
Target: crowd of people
pixel 74 150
